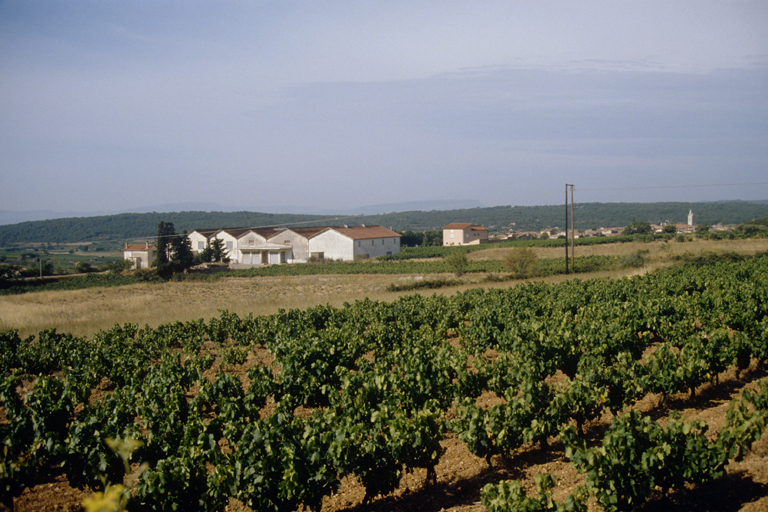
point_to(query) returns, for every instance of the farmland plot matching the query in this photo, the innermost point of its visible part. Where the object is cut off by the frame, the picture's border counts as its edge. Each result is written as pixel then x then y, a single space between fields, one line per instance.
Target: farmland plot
pixel 413 404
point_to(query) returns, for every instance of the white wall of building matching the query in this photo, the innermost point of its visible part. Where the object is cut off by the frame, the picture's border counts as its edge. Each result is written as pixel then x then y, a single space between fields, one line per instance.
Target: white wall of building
pixel 141 258
pixel 230 245
pixel 198 241
pixel 375 247
pixel 249 240
pixel 299 252
pixel 332 246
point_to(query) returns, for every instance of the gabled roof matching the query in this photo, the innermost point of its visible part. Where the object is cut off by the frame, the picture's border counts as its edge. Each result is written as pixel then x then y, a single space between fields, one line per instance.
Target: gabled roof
pixel 366 232
pixel 465 225
pixel 138 247
pixel 264 233
pixel 458 225
pixel 207 233
pixel 235 232
pixel 306 232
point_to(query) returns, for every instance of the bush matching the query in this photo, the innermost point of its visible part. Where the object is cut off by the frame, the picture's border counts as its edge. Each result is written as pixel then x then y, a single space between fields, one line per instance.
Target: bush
pixel 422 284
pixel 118 266
pixel 83 267
pixel 638 228
pixel 457 262
pixel 636 259
pixel 146 274
pixel 521 261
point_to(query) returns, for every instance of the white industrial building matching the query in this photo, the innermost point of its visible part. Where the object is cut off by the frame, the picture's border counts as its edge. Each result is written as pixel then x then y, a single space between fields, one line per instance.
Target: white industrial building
pixel 269 246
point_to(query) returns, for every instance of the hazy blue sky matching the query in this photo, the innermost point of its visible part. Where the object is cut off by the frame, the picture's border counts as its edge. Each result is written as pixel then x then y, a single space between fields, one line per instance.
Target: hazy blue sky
pixel 334 104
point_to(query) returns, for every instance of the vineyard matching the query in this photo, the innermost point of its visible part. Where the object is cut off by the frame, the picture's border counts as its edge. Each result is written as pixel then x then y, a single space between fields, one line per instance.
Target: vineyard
pixel 278 411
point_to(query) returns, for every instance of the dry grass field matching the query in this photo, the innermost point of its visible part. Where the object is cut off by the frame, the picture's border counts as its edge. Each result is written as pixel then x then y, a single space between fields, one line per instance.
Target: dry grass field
pixel 84 312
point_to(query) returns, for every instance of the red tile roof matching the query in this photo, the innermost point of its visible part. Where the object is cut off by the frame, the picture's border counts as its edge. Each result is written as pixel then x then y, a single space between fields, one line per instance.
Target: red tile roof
pixel 138 247
pixel 465 225
pixel 207 233
pixel 366 232
pixel 306 232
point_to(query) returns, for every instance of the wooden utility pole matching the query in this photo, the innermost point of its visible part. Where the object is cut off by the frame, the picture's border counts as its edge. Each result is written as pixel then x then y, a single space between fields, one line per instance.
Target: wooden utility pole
pixel 573 236
pixel 566 228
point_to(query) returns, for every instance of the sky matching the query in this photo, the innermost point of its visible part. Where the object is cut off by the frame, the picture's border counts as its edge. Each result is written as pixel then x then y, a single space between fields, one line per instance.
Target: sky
pixel 300 105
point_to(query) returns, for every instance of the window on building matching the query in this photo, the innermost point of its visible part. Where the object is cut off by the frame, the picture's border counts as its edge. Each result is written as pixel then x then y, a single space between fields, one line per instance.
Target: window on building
pixel 229 246
pixel 200 246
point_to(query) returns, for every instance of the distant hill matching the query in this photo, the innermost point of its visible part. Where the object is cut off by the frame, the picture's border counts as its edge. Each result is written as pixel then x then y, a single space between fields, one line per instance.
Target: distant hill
pixel 14 217
pixel 499 219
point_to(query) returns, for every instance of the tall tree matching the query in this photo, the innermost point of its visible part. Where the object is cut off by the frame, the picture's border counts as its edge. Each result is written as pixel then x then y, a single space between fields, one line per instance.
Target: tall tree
pixel 217 249
pixel 181 253
pixel 165 232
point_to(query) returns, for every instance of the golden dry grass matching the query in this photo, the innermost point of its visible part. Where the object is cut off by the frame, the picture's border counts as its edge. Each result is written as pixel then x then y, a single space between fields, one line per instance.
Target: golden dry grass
pixel 84 312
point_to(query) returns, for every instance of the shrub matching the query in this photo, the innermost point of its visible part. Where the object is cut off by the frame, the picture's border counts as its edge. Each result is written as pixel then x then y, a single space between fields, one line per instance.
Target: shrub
pixel 636 259
pixel 521 261
pixel 83 267
pixel 457 262
pixel 422 284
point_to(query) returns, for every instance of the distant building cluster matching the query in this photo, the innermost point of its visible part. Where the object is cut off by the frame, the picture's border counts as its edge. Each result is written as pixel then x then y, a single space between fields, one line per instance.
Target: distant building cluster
pixel 270 246
pixel 249 247
pixel 689 227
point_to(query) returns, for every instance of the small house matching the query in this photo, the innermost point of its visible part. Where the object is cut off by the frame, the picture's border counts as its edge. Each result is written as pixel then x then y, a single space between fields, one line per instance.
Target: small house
pixel 142 255
pixel 464 234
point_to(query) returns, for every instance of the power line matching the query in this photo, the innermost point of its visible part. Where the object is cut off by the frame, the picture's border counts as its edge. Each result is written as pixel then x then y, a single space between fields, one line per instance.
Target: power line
pixel 512 199
pixel 673 186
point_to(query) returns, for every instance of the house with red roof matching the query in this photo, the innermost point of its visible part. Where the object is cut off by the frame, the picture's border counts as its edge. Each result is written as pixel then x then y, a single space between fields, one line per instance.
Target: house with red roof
pixel 141 255
pixel 351 243
pixel 464 233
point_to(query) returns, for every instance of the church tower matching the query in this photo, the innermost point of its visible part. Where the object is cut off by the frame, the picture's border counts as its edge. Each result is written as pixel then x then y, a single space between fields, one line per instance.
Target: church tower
pixel 690 217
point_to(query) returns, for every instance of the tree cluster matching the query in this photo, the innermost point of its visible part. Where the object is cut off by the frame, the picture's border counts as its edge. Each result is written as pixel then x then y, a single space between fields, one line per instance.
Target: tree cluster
pixel 213 252
pixel 639 227
pixel 174 251
pixel 432 237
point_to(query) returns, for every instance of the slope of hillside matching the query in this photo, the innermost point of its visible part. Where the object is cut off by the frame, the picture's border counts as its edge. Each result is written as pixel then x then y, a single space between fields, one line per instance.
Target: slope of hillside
pixel 499 219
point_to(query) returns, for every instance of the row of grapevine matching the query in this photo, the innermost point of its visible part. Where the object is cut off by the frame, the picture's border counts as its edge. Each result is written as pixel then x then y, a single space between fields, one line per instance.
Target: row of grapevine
pixel 637 454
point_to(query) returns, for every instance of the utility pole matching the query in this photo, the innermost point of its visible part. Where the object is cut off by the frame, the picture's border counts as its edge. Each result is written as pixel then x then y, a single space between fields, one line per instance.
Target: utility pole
pixel 566 228
pixel 573 236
